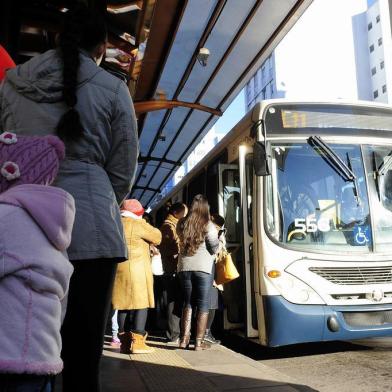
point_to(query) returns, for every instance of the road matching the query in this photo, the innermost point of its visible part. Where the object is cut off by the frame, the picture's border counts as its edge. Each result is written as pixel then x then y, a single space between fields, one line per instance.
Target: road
pixel 358 366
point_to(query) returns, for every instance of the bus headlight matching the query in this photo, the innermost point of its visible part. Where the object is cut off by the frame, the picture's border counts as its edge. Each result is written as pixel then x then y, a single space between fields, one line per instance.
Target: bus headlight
pixel 294 290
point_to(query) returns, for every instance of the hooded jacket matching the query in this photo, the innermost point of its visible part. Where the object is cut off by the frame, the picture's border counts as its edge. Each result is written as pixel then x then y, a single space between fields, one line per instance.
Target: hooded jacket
pixel 35 231
pixel 99 169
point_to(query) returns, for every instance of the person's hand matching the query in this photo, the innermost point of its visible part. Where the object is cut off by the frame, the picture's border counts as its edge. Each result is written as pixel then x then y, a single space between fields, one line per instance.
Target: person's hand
pixel 221 232
pixel 154 250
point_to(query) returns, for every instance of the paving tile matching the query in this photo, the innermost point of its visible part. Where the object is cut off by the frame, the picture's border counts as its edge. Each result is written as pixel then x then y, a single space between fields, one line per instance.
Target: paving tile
pixel 235 383
pixel 119 374
pixel 165 371
pixel 207 357
pixel 240 370
pixel 279 388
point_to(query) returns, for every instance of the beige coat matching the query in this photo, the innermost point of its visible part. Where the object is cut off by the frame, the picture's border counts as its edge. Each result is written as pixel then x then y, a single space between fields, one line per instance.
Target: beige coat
pixel 133 286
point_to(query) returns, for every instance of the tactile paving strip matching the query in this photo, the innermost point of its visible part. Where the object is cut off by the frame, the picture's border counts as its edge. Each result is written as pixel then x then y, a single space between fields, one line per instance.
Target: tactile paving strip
pixel 164 370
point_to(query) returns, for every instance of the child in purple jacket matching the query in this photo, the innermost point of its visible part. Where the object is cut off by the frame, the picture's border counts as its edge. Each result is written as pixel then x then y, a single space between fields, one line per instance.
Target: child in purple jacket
pixel 35 230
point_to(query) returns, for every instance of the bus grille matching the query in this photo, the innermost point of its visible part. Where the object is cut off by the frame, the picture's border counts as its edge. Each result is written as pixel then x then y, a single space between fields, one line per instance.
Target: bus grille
pixel 355 275
pixel 363 319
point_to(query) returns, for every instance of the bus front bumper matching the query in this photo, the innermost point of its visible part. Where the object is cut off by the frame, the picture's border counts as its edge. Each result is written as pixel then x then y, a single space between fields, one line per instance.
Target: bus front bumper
pixel 288 323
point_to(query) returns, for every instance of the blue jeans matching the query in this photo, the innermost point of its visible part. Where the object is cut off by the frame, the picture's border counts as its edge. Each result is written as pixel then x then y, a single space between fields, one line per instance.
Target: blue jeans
pixel 25 383
pixel 196 287
pixel 114 324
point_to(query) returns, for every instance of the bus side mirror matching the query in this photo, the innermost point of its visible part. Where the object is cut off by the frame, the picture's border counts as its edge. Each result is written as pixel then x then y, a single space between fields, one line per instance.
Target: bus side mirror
pixel 262 159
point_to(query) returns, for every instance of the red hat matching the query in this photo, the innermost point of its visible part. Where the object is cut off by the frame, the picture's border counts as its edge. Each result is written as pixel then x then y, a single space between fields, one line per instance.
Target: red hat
pixel 134 206
pixel 6 62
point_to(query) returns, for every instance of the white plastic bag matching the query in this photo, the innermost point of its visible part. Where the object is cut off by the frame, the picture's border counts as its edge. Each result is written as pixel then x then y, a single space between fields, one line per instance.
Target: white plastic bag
pixel 156 265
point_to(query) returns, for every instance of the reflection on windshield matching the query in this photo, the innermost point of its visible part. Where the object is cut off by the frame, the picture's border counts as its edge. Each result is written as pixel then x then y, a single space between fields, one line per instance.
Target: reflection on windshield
pixel 316 207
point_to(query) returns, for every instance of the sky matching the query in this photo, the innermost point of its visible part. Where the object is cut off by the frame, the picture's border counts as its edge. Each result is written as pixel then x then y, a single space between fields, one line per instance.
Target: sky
pixel 317 58
pixel 232 114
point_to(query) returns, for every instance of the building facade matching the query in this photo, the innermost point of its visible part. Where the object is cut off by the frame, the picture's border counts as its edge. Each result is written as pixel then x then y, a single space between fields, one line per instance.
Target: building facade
pixel 337 50
pixel 380 49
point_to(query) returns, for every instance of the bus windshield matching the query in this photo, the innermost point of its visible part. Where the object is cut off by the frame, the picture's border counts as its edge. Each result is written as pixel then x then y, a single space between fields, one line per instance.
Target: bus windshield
pixel 379 169
pixel 311 205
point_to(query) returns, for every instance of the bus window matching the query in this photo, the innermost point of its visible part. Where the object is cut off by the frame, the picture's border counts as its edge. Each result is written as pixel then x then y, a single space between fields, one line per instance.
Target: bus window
pixel 196 186
pixel 212 188
pixel 249 190
pixel 212 181
pixel 232 205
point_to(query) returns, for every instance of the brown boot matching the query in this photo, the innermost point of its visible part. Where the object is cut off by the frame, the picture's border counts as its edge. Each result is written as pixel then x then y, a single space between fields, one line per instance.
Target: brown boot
pixel 125 342
pixel 139 345
pixel 201 325
pixel 185 327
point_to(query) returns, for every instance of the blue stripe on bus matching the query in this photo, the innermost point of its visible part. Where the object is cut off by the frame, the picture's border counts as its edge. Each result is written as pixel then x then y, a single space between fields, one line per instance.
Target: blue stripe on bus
pixel 288 323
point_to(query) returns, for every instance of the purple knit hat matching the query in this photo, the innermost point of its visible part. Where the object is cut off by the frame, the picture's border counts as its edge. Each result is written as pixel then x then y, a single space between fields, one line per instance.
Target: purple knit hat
pixel 29 159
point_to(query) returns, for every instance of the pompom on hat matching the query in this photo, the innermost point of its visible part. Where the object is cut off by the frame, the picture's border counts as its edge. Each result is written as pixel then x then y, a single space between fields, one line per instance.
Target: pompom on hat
pixel 29 159
pixel 134 206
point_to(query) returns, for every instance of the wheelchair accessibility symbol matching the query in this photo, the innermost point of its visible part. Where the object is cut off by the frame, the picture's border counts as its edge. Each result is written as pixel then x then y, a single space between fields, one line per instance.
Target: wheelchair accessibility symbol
pixel 361 235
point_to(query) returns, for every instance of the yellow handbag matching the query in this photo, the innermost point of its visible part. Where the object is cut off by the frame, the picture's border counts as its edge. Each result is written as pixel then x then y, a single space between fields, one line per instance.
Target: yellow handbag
pixel 225 268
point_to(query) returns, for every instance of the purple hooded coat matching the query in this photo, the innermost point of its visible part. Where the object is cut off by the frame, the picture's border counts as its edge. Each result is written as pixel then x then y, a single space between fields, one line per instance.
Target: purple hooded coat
pixel 35 230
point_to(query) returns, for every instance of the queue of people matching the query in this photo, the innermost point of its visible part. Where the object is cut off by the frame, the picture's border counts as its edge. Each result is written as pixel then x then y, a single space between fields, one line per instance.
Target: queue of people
pixel 68 156
pixel 188 243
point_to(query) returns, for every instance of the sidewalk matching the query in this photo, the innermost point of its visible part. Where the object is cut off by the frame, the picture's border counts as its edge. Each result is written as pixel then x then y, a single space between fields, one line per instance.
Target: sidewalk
pixel 170 370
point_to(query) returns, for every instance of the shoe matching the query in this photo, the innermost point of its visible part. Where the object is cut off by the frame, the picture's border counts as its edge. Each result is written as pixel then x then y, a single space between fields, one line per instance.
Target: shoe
pixel 115 342
pixel 201 324
pixel 173 342
pixel 185 327
pixel 125 342
pixel 139 345
pixel 210 339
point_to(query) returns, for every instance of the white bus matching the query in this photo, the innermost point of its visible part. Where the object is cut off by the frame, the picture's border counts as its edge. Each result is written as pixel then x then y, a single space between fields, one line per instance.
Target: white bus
pixel 306 192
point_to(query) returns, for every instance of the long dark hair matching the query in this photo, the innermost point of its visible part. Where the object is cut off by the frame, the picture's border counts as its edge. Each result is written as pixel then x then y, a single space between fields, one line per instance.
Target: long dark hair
pixel 83 29
pixel 192 229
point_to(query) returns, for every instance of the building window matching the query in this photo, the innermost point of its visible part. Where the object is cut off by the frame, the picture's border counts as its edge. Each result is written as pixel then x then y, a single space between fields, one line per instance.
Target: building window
pixel 378 18
pixel 248 91
pixel 382 64
pixel 384 88
pixel 371 48
pixel 380 41
pixel 375 94
pixel 370 25
pixel 374 70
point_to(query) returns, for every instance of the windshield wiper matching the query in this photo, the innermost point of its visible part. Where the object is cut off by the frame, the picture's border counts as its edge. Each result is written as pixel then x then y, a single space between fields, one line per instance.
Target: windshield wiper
pixel 335 162
pixel 381 170
pixel 386 165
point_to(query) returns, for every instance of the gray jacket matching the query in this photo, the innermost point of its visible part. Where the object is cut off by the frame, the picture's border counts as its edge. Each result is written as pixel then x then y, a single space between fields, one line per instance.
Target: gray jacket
pixel 98 170
pixel 204 257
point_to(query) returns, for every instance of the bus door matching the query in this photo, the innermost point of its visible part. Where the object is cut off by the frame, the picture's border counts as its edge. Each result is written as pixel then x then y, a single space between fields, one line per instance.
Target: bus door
pixel 246 181
pixel 235 293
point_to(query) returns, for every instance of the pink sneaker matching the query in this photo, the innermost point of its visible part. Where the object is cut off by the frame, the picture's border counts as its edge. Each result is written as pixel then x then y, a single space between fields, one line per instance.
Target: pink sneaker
pixel 115 342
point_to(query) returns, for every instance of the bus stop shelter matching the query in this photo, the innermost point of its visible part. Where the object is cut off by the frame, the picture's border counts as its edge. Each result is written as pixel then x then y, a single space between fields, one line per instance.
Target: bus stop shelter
pixel 159 47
